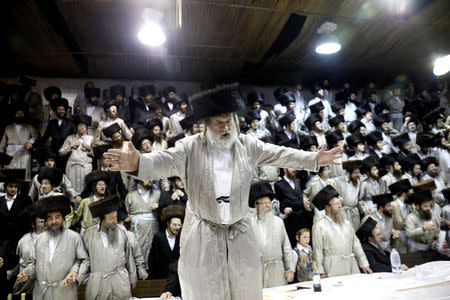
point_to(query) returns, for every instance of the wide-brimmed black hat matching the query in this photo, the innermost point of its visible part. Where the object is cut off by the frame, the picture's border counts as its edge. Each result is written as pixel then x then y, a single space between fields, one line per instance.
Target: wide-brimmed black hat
pixel 307 141
pixel 59 102
pixel 400 140
pixel 410 161
pixel 378 120
pixel 316 107
pixel 316 86
pixel 322 198
pixel 292 143
pixel 111 130
pixel 368 163
pixel 336 121
pixel 287 119
pixel 428 161
pixel 187 122
pixel 401 186
pixel 12 175
pixel 311 121
pixel 427 185
pixel 253 97
pixel 51 90
pixel 279 91
pixel 355 126
pixel 167 90
pixel 252 115
pixel 110 103
pixel 355 139
pixel 91 92
pixel 388 160
pixel 366 228
pixel 117 90
pixel 362 110
pixel 373 137
pixel 378 109
pixel 105 206
pixel 54 175
pixel 426 139
pixel 258 190
pixel 333 137
pixel 213 102
pixel 419 197
pixel 99 150
pixel 151 123
pixel 140 135
pixel 382 199
pixel 147 90
pixel 350 165
pixel 56 202
pixel 431 117
pixel 77 119
pixel 337 106
pixel 286 98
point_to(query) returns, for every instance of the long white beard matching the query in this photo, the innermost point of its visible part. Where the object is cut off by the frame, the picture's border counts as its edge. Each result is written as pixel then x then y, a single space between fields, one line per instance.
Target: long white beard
pixel 340 218
pixel 220 143
pixel 265 217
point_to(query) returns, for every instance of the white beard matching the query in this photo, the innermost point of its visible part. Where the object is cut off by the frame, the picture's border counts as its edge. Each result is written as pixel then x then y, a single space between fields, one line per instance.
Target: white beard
pixel 265 216
pixel 219 142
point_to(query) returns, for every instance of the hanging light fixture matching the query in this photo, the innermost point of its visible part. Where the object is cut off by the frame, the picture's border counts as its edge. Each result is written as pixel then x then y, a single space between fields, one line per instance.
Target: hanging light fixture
pixel 327 42
pixel 151 33
pixel 441 65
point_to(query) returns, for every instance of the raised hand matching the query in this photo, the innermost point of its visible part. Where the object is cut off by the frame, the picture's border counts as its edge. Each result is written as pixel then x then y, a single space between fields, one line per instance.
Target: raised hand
pixel 325 158
pixel 123 160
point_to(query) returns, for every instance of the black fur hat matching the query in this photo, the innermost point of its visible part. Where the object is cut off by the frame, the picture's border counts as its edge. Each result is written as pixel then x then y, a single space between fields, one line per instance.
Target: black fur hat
pixel 258 190
pixel 105 206
pixel 56 202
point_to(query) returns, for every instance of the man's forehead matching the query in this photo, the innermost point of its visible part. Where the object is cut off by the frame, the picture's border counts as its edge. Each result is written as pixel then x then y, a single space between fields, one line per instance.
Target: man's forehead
pixel 222 117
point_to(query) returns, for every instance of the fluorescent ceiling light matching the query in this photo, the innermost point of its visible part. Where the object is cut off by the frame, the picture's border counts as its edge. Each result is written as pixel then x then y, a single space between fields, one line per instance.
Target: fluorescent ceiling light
pixel 151 34
pixel 441 65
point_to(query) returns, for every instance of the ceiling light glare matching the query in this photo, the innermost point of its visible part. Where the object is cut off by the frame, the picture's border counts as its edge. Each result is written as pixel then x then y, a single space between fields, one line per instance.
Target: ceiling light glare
pixel 328 48
pixel 441 66
pixel 151 34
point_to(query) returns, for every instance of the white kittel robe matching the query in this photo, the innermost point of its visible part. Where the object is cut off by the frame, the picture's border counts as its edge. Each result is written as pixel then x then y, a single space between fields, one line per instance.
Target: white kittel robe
pixel 275 249
pixel 70 255
pixel 144 221
pixel 112 268
pixel 224 256
pixel 337 253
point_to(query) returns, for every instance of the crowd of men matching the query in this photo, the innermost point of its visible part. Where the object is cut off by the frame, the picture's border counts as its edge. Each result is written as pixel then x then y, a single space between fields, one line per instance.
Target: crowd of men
pixel 67 218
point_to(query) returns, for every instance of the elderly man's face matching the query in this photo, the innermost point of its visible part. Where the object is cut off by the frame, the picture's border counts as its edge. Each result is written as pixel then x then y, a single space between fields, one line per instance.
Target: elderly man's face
pixel 377 235
pixel 222 125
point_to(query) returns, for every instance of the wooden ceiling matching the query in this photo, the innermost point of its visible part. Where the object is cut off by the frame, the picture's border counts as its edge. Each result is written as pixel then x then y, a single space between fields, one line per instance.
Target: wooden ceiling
pixel 224 39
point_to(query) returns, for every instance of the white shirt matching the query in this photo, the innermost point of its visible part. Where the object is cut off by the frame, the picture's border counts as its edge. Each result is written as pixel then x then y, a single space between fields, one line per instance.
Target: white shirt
pixel 262 228
pixel 335 225
pixel 18 127
pixel 381 220
pixel 59 121
pixel 403 208
pixel 170 105
pixel 291 182
pixel 104 237
pixel 10 202
pixel 223 165
pixel 171 240
pixel 144 194
pixel 52 242
pixel 90 110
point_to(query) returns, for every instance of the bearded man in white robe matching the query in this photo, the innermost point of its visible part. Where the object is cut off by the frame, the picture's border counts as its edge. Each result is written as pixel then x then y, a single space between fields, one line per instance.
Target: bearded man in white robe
pixel 337 250
pixel 113 269
pixel 217 166
pixel 60 261
pixel 273 243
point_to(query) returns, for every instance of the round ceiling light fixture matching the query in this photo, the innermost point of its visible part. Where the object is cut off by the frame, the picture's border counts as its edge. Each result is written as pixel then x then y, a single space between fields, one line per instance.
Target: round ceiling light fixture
pixel 151 33
pixel 441 65
pixel 327 42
